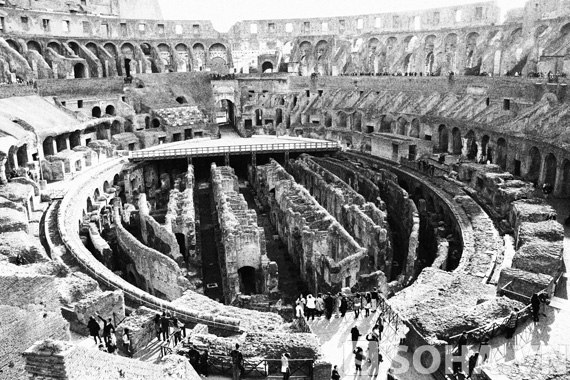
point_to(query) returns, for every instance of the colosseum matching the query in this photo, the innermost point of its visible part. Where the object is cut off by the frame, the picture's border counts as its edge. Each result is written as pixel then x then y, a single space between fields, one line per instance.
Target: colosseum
pixel 386 188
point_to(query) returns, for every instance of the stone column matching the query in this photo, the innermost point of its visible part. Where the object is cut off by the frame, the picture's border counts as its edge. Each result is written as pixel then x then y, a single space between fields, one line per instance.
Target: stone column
pixel 3 179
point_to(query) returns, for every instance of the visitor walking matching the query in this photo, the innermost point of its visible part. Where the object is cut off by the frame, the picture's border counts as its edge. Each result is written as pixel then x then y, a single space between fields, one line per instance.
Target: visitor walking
pixel 94 328
pixel 358 358
pixel 107 328
pixel 157 328
pixel 311 307
pixel 512 324
pixel 177 328
pixel 285 366
pixel 165 326
pixel 357 305
pixel 237 363
pixel 354 334
pixel 320 305
pixel 374 297
pixel 343 306
pixel 329 304
pixel 299 312
pixel 535 305
pixel 367 300
pixel 127 343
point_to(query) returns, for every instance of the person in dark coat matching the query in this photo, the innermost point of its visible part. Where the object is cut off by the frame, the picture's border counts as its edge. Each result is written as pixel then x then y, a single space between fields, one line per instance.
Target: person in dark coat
pixel 329 304
pixel 165 326
pixel 354 334
pixel 94 328
pixel 461 342
pixel 535 305
pixel 107 328
pixel 343 306
pixel 157 328
pixel 203 363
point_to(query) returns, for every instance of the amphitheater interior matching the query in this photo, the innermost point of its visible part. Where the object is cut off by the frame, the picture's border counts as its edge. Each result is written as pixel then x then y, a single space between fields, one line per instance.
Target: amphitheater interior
pixel 160 167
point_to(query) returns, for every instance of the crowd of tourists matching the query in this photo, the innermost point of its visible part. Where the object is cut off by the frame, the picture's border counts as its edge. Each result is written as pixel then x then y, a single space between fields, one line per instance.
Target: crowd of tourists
pixel 325 305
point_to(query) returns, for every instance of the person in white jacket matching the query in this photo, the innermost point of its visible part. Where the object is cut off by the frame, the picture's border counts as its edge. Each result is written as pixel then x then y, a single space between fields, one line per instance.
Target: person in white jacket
pixel 311 307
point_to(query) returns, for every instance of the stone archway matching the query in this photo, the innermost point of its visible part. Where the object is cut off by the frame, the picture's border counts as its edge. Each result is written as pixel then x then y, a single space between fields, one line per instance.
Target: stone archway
pixel 550 164
pixel 534 164
pixel 443 138
pixel 501 154
pixel 456 141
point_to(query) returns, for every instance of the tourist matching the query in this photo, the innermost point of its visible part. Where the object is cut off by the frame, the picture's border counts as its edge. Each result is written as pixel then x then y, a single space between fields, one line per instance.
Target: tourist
pixel 337 304
pixel 511 324
pixel 379 328
pixel 320 304
pixel 547 190
pixel 358 358
pixel 94 328
pixel 237 363
pixel 372 347
pixel 335 375
pixel 299 312
pixel 329 304
pixel 343 306
pixel 127 342
pixel 535 305
pixel 165 326
pixel 354 334
pixel 461 342
pixel 112 345
pixel 285 366
pixel 194 357
pixel 311 307
pixel 157 329
pixel 366 301
pixel 374 296
pixel 357 305
pixel 107 328
pixel 204 363
pixel 177 330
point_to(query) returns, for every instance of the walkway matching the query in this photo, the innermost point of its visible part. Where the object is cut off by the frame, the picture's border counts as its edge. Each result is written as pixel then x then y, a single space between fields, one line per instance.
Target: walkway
pixel 336 345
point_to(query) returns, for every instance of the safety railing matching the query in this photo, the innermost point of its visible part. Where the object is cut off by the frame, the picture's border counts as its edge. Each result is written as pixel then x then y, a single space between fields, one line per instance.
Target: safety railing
pixel 261 367
pixel 235 149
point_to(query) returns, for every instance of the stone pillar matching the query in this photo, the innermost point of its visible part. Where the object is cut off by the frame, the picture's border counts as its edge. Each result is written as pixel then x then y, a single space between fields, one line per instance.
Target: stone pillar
pixel 227 159
pixel 54 145
pixel 558 185
pixel 15 160
pixel 3 179
pixel 67 143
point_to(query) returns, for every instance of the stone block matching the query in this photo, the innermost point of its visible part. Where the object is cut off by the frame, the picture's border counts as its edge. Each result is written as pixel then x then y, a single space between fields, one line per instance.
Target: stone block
pixel 141 326
pixel 106 304
pixel 13 221
pixel 522 282
pixel 75 288
pixel 550 231
pixel 540 257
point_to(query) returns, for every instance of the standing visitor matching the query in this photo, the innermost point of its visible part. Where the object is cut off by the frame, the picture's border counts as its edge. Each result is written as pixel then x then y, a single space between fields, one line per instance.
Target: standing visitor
pixel 204 363
pixel 237 363
pixel 311 307
pixel 535 305
pixel 329 304
pixel 358 358
pixel 285 365
pixel 157 329
pixel 299 313
pixel 165 326
pixel 320 303
pixel 512 323
pixel 354 334
pixel 367 300
pixel 343 306
pixel 374 296
pixel 357 305
pixel 127 342
pixel 107 328
pixel 94 328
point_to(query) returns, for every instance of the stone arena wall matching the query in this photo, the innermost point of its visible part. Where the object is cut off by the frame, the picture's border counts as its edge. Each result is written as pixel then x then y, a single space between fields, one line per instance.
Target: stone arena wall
pixel 67 218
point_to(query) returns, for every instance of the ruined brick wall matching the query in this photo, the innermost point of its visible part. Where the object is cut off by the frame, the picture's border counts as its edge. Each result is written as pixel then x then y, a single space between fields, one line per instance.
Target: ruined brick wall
pixel 29 311
pixel 157 236
pixel 243 240
pixel 160 272
pixel 328 257
pixel 363 220
pixel 59 360
pixel 180 215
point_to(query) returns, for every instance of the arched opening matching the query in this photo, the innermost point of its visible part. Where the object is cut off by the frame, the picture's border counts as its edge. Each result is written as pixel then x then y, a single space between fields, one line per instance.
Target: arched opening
pixel 110 110
pixel 534 164
pixel 128 52
pixel 550 169
pixel 75 139
pixel 155 123
pixel 258 117
pixel 22 155
pixel 96 111
pixel 278 116
pixel 357 122
pixel 115 128
pixel 501 158
pixel 267 67
pixel 74 46
pixel 218 58
pixel 199 54
pixel 89 205
pixel 96 195
pixel 79 70
pixel 401 126
pixel 225 112
pixel 415 130
pixel 485 146
pixel 181 100
pixel 328 120
pixel 61 142
pixel 247 280
pixel 471 143
pixel 14 45
pixel 457 145
pixel 443 138
pixel 341 121
pixel 565 188
pixel 181 240
pixel 127 67
pixel 386 124
pixel 35 46
pixel 408 64
pixel 47 146
pixel 55 46
pixel 147 122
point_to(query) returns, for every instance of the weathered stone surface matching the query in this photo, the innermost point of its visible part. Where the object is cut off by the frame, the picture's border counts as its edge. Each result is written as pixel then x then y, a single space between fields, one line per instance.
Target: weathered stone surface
pixel 17 243
pixel 107 304
pixel 530 210
pixel 141 326
pixel 13 221
pixel 523 282
pixel 549 231
pixel 442 304
pixel 75 288
pixel 547 364
pixel 539 257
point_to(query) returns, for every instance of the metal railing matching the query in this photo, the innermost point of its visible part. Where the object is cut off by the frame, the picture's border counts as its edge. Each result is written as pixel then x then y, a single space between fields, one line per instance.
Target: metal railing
pixel 232 149
pixel 261 367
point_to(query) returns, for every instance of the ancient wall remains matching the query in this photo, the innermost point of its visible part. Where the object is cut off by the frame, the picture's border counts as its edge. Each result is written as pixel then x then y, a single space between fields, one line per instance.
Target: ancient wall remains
pixel 181 216
pixel 243 240
pixel 363 220
pixel 328 257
